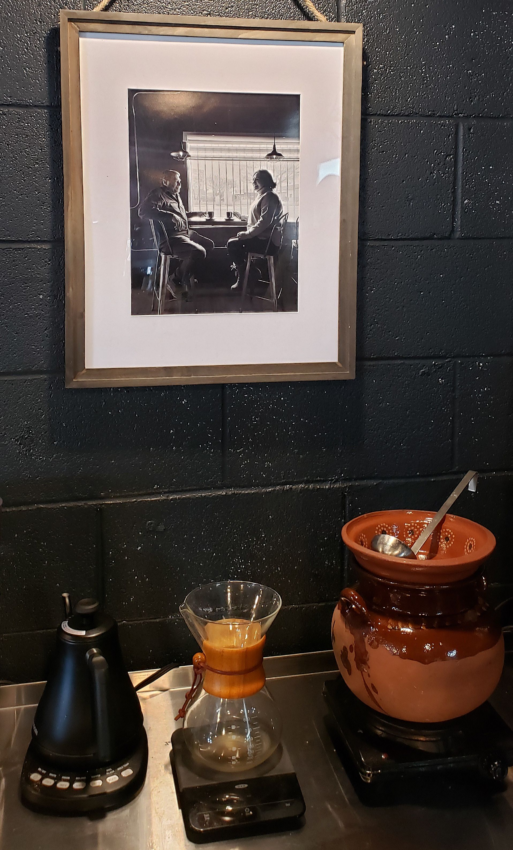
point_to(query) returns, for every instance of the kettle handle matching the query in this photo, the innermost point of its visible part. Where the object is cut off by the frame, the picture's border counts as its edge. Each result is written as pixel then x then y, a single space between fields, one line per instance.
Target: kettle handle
pixel 98 667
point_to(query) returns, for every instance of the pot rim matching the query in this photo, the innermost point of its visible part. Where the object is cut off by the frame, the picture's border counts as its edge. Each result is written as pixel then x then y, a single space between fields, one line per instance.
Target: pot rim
pixel 423 587
pixel 439 570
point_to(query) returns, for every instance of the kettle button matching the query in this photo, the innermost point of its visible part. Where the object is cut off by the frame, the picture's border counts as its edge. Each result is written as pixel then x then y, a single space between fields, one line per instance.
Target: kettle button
pixel 62 785
pixel 48 782
pixel 79 785
pixel 112 778
pixel 35 777
pixel 127 772
pixel 96 783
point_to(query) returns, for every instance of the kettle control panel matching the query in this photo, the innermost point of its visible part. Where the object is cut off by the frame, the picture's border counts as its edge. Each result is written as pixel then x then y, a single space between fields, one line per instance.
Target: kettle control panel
pixel 45 786
pixel 99 782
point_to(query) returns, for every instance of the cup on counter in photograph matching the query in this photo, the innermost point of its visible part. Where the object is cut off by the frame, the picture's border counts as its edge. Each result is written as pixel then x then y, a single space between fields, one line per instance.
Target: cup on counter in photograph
pixel 210 215
pixel 229 216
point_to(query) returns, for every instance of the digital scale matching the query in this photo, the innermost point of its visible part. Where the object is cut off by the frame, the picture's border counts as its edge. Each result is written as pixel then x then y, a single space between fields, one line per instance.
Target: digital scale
pixel 217 806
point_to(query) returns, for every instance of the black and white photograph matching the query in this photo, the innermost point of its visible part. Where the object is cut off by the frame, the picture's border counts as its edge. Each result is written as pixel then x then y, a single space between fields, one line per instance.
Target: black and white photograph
pixel 212 199
pixel 214 202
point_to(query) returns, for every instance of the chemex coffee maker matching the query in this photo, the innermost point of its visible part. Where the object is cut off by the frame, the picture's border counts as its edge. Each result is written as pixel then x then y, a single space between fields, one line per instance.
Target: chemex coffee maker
pixel 89 748
pixel 232 773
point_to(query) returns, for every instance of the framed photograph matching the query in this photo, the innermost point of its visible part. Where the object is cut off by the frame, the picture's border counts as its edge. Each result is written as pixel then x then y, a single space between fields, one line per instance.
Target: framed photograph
pixel 211 172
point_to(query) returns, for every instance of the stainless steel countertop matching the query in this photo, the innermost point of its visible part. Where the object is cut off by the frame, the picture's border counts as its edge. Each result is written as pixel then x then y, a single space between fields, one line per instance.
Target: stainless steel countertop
pixel 335 817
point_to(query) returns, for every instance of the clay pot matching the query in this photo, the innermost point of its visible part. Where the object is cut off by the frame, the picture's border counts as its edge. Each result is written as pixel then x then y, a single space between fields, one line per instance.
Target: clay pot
pixel 422 648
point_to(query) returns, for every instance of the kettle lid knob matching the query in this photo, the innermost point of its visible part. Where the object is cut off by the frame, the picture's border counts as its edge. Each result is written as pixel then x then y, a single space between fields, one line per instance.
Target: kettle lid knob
pixel 86 607
pixel 85 615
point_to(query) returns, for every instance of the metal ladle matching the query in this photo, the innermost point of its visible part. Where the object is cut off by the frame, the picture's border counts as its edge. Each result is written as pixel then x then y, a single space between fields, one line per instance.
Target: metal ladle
pixel 387 544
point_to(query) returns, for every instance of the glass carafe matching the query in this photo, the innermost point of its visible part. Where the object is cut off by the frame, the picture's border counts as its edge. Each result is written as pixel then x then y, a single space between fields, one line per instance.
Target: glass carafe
pixel 234 724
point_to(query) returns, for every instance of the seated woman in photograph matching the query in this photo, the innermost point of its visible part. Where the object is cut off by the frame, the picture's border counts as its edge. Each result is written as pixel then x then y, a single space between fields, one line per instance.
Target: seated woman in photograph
pixel 263 214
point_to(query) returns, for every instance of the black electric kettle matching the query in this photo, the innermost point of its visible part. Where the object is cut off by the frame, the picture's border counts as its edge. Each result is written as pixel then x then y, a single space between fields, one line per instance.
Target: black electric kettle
pixel 89 747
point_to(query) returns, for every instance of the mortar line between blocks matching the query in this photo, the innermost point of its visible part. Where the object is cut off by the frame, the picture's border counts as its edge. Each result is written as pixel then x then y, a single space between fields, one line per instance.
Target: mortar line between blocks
pixel 399 116
pixel 458 183
pixel 225 436
pixel 296 487
pixel 455 414
pixel 100 556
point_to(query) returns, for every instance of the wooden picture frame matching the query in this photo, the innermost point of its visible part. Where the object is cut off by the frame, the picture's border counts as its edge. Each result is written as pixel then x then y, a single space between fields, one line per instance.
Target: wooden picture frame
pixel 79 25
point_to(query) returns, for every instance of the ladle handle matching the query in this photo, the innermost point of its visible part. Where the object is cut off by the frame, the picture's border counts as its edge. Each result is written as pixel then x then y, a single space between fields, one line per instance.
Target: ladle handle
pixel 438 517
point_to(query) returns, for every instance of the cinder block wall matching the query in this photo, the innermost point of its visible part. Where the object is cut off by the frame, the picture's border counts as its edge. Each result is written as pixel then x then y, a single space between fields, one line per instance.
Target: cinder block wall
pixel 138 495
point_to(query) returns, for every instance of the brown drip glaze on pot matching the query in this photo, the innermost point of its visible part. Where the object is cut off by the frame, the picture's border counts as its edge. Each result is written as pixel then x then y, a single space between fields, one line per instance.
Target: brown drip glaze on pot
pixel 357 617
pixel 346 664
pixel 422 639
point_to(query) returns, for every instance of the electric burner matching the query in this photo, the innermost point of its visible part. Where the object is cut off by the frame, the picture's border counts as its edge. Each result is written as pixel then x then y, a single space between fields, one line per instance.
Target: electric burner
pixel 217 806
pixel 379 748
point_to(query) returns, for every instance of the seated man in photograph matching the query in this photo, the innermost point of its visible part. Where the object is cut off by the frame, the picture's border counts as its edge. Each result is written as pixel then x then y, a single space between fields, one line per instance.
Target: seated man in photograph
pixel 264 212
pixel 165 205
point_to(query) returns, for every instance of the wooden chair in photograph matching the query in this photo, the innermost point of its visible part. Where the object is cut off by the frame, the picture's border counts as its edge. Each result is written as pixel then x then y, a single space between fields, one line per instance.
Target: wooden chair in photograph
pixel 294 245
pixel 162 271
pixel 271 251
pixel 294 248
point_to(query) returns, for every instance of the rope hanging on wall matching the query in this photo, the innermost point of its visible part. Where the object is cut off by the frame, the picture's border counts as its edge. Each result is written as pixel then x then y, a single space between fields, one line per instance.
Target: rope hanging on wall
pixel 308 3
pixel 314 10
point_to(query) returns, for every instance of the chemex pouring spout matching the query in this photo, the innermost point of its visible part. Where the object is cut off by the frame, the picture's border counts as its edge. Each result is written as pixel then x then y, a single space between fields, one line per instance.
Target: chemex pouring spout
pixel 190 619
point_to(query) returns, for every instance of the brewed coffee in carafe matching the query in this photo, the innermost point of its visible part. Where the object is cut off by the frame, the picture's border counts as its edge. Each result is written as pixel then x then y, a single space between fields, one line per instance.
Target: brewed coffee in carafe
pixel 234 724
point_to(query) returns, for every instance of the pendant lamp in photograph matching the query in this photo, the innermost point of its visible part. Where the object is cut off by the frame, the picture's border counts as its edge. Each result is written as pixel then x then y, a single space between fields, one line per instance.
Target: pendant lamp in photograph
pixel 274 154
pixel 181 155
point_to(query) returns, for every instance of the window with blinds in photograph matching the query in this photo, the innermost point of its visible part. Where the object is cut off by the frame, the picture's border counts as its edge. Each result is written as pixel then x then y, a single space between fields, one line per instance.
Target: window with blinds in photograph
pixel 220 172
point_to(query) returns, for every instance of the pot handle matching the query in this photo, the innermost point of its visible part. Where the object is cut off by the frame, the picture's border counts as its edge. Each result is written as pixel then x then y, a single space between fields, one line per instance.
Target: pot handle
pixel 352 598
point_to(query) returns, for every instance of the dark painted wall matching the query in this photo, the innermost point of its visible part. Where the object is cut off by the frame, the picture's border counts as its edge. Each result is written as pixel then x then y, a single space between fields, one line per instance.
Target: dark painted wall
pixel 137 495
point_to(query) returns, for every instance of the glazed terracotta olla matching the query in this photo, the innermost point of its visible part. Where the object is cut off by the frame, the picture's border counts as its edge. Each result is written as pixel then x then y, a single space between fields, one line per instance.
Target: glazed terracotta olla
pixel 416 640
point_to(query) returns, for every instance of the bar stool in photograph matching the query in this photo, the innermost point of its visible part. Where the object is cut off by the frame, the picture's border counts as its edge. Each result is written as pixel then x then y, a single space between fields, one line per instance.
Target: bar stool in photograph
pixel 162 271
pixel 294 245
pixel 271 251
pixel 294 248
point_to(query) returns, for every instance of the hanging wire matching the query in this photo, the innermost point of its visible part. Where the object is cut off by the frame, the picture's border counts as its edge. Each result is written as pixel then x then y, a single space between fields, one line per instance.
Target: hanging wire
pixel 307 3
